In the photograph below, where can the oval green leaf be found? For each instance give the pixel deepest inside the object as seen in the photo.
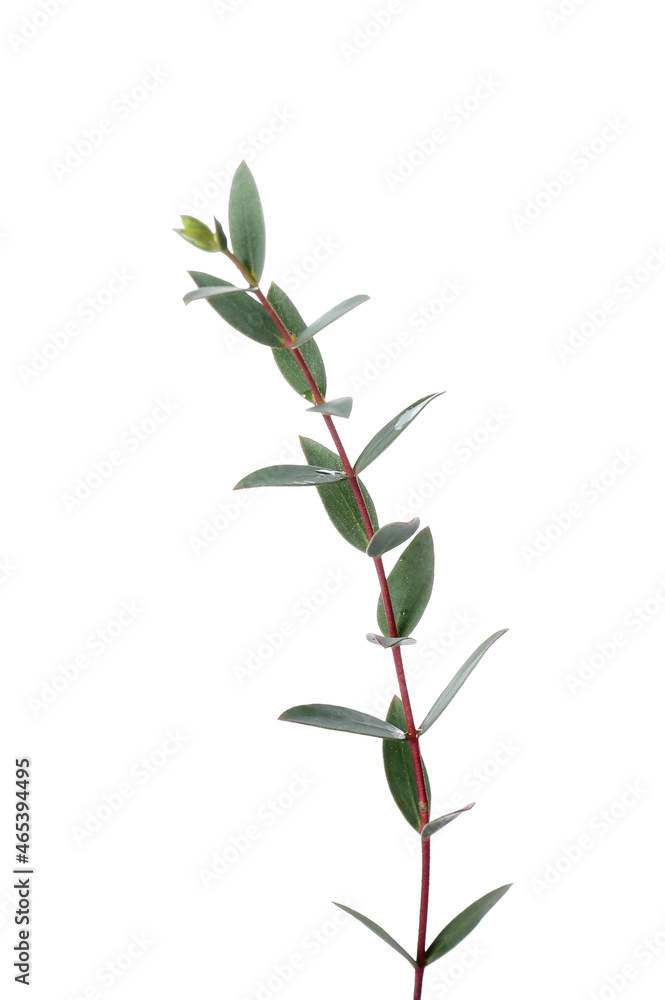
(241, 311)
(390, 536)
(284, 359)
(451, 690)
(391, 431)
(329, 317)
(463, 924)
(246, 225)
(379, 931)
(346, 720)
(437, 824)
(400, 772)
(340, 407)
(338, 500)
(289, 475)
(410, 585)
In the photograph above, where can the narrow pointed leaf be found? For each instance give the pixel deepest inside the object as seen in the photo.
(289, 475)
(345, 719)
(391, 431)
(437, 824)
(451, 690)
(391, 535)
(329, 317)
(212, 292)
(241, 311)
(221, 235)
(388, 642)
(463, 924)
(338, 500)
(284, 359)
(410, 584)
(246, 225)
(340, 407)
(379, 931)
(400, 772)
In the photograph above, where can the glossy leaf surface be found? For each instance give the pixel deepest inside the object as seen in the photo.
(400, 772)
(241, 311)
(463, 924)
(437, 824)
(334, 407)
(284, 359)
(347, 720)
(410, 584)
(391, 535)
(330, 317)
(288, 475)
(246, 225)
(451, 690)
(339, 500)
(212, 293)
(379, 931)
(391, 431)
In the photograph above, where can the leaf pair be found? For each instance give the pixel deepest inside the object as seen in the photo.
(400, 773)
(348, 521)
(452, 933)
(411, 579)
(325, 471)
(245, 314)
(248, 242)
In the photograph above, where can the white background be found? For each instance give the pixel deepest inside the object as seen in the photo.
(326, 103)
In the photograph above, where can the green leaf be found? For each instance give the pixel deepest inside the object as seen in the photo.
(286, 363)
(246, 225)
(338, 500)
(379, 931)
(340, 407)
(241, 311)
(391, 535)
(289, 475)
(400, 772)
(198, 234)
(329, 317)
(410, 585)
(391, 431)
(211, 293)
(451, 690)
(463, 924)
(221, 235)
(437, 824)
(345, 719)
(387, 642)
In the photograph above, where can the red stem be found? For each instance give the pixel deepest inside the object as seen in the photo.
(412, 733)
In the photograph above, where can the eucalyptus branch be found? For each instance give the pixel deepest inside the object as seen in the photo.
(273, 320)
